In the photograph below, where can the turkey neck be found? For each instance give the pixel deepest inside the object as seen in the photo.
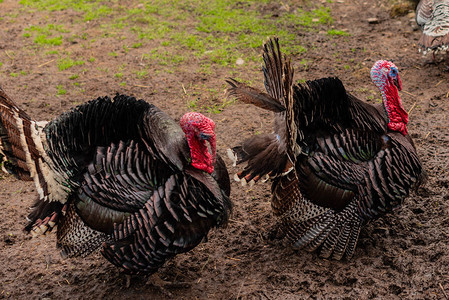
(201, 158)
(396, 114)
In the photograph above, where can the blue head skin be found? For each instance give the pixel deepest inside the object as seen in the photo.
(385, 76)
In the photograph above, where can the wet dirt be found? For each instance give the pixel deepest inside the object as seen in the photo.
(403, 255)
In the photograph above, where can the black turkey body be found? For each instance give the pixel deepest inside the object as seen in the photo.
(115, 174)
(333, 162)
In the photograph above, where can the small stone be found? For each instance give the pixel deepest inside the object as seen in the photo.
(373, 20)
(239, 61)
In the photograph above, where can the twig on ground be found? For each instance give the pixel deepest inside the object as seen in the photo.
(46, 63)
(138, 85)
(235, 221)
(183, 88)
(408, 93)
(444, 293)
(240, 289)
(7, 54)
(410, 110)
(207, 261)
(236, 259)
(439, 83)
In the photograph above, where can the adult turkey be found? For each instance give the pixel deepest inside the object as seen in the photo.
(119, 174)
(335, 162)
(433, 18)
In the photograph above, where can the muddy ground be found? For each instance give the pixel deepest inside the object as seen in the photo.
(401, 256)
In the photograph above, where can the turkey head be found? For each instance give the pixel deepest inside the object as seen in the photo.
(199, 129)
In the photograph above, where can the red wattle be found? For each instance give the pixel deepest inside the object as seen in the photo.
(396, 113)
(201, 158)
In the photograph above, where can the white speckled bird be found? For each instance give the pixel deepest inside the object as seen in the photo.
(433, 18)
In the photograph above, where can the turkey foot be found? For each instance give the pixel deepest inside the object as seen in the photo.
(162, 285)
(275, 232)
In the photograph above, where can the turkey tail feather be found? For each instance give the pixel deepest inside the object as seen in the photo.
(278, 74)
(75, 238)
(15, 137)
(428, 42)
(43, 217)
(264, 156)
(253, 96)
(336, 233)
(21, 146)
(273, 70)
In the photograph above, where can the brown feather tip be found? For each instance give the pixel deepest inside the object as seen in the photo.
(239, 178)
(41, 227)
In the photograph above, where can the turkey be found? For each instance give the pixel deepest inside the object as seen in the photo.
(433, 18)
(335, 162)
(121, 176)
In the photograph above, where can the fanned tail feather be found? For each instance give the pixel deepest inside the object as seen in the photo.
(22, 148)
(272, 154)
(293, 149)
(278, 80)
(336, 233)
(75, 238)
(250, 95)
(13, 127)
(43, 217)
(264, 156)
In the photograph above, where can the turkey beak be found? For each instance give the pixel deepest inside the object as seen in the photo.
(398, 83)
(212, 142)
(212, 148)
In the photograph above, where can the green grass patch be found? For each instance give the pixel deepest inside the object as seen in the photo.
(51, 52)
(163, 57)
(208, 33)
(311, 18)
(217, 108)
(219, 30)
(338, 32)
(45, 35)
(74, 76)
(44, 40)
(61, 90)
(91, 9)
(141, 74)
(47, 29)
(66, 63)
(192, 104)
